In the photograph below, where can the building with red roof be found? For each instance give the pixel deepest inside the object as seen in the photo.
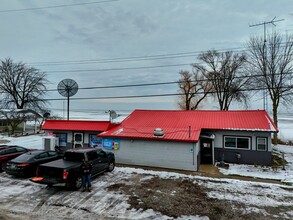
(185, 139)
(76, 133)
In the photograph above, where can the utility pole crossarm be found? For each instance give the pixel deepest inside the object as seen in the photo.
(273, 21)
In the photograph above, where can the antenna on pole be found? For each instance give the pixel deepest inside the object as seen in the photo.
(273, 21)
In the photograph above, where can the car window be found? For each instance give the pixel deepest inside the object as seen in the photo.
(102, 154)
(11, 151)
(2, 152)
(72, 156)
(52, 153)
(92, 155)
(23, 157)
(42, 156)
(20, 149)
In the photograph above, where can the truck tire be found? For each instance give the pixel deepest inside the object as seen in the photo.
(111, 166)
(75, 183)
(3, 167)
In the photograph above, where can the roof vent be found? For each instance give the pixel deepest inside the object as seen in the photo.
(158, 132)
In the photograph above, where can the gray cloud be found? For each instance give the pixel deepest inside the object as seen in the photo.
(130, 28)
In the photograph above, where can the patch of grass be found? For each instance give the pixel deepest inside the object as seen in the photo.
(277, 159)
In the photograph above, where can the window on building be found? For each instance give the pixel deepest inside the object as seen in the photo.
(237, 142)
(261, 144)
(62, 139)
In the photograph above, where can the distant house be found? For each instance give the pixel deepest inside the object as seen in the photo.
(16, 120)
(77, 133)
(185, 139)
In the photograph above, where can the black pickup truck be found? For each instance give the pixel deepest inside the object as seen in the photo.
(66, 171)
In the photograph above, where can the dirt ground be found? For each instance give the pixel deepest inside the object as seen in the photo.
(182, 197)
(123, 194)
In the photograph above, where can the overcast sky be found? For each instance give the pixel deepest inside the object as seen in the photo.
(105, 31)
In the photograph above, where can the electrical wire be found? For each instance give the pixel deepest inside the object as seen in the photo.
(162, 83)
(133, 58)
(139, 58)
(151, 95)
(56, 6)
(117, 69)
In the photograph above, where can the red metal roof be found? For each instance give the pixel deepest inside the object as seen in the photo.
(187, 125)
(76, 125)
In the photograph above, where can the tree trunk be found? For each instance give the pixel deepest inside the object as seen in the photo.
(275, 118)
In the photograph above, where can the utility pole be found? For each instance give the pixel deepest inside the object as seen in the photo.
(273, 21)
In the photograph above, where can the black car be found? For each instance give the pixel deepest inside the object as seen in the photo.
(26, 164)
(8, 152)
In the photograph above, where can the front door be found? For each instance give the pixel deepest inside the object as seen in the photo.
(206, 151)
(77, 140)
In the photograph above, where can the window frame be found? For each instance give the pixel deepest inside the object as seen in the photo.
(62, 138)
(266, 143)
(99, 140)
(236, 137)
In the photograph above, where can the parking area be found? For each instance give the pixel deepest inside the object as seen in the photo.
(130, 193)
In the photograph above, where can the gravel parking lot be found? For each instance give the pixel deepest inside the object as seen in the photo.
(129, 193)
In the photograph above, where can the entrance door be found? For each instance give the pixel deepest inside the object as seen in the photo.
(206, 151)
(77, 140)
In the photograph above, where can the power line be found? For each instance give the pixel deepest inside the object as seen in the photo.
(129, 85)
(148, 96)
(117, 69)
(56, 6)
(131, 58)
(136, 58)
(122, 68)
(163, 83)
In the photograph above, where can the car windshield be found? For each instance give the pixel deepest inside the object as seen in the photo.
(73, 156)
(23, 157)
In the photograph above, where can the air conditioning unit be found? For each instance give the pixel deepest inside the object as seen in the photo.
(159, 132)
(49, 143)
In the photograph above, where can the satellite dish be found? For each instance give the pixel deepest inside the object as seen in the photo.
(46, 115)
(113, 114)
(67, 88)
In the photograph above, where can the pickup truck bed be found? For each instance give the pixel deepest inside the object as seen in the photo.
(63, 164)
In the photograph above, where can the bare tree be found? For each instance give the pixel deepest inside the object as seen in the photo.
(21, 86)
(272, 61)
(193, 89)
(12, 118)
(226, 73)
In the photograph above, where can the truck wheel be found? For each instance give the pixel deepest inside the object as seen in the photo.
(75, 183)
(2, 167)
(111, 166)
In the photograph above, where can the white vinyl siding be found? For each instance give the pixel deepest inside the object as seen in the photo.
(165, 154)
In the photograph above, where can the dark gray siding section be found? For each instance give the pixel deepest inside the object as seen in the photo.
(243, 156)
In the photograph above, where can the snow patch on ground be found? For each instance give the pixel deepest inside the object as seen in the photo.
(265, 172)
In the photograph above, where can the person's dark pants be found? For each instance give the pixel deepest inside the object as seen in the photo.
(86, 181)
